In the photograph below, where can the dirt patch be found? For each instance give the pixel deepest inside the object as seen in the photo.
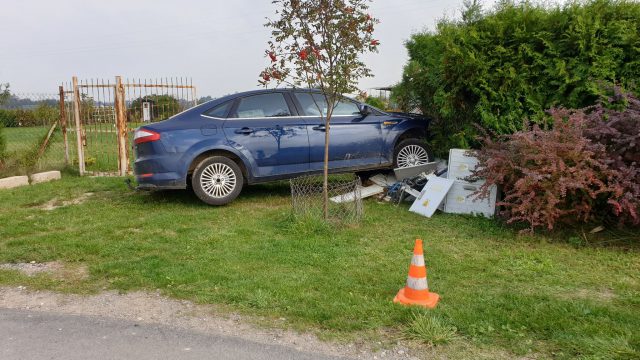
(34, 268)
(603, 294)
(55, 203)
(157, 309)
(56, 269)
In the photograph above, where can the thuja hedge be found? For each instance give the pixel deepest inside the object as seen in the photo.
(498, 67)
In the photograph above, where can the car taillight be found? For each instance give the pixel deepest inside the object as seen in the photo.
(145, 135)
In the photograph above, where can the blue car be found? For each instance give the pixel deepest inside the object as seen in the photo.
(267, 135)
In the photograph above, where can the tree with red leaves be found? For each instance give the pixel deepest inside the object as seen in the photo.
(318, 44)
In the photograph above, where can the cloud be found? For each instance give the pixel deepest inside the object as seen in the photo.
(220, 44)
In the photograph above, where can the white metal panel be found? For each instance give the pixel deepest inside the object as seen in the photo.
(146, 111)
(461, 201)
(364, 192)
(431, 196)
(412, 171)
(460, 165)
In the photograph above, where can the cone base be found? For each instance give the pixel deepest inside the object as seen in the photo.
(430, 302)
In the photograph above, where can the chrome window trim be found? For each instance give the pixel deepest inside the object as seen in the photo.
(272, 117)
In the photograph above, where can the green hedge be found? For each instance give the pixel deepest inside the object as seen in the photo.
(500, 67)
(8, 118)
(3, 145)
(43, 115)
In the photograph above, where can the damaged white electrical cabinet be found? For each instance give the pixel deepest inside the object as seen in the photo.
(431, 196)
(460, 198)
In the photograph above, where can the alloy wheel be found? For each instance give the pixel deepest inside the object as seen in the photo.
(412, 155)
(218, 180)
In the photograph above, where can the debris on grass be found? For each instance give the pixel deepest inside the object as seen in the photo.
(413, 171)
(352, 196)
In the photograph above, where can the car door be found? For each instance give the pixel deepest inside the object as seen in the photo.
(264, 126)
(354, 140)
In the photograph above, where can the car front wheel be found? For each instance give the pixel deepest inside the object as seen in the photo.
(412, 152)
(217, 180)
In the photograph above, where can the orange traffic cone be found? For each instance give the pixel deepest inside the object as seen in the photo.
(417, 291)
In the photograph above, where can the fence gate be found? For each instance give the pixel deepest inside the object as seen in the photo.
(102, 116)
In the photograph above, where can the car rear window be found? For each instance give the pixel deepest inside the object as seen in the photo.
(219, 111)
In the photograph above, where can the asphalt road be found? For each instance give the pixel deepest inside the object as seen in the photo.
(37, 335)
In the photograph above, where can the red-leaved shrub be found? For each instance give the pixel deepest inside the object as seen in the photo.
(584, 169)
(619, 132)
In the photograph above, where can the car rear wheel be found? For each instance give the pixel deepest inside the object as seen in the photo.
(217, 180)
(412, 152)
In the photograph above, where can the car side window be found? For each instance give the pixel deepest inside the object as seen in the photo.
(310, 107)
(346, 107)
(219, 111)
(263, 105)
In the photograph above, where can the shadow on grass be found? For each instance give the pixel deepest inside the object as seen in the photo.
(249, 193)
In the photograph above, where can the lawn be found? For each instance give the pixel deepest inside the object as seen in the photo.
(502, 295)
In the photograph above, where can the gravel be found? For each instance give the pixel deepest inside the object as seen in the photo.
(153, 308)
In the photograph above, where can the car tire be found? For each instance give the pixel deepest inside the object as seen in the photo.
(411, 152)
(217, 180)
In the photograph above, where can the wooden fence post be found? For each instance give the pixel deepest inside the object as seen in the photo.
(121, 126)
(194, 95)
(76, 116)
(63, 125)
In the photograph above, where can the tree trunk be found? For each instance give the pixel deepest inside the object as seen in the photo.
(325, 174)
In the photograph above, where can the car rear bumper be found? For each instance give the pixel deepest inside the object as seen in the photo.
(152, 175)
(160, 181)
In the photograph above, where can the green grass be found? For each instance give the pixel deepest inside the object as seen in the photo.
(431, 330)
(101, 150)
(502, 295)
(21, 141)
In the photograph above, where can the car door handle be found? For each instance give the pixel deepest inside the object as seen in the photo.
(244, 130)
(319, 128)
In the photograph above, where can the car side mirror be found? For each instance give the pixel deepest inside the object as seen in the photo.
(365, 110)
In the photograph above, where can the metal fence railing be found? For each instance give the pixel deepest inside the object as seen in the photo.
(105, 113)
(87, 124)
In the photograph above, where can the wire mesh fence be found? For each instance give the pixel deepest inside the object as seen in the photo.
(345, 198)
(152, 100)
(33, 134)
(87, 124)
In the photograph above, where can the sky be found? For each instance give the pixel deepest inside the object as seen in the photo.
(219, 44)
